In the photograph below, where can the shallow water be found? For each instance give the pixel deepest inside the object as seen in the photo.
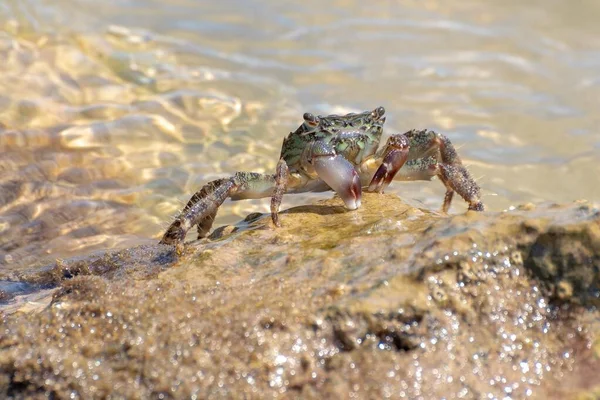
(113, 114)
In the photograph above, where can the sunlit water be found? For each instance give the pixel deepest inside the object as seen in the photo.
(113, 113)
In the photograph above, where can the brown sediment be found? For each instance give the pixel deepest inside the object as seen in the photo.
(386, 301)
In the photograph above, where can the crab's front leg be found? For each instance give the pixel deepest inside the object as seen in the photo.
(202, 208)
(337, 172)
(432, 154)
(395, 153)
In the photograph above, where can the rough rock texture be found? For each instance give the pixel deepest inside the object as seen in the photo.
(389, 301)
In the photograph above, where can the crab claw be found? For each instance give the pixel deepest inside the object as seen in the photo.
(341, 176)
(396, 155)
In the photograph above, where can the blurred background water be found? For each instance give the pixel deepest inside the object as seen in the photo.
(113, 113)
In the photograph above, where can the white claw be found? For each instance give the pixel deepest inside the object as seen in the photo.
(341, 176)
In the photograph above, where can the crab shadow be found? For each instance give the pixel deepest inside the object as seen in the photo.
(255, 221)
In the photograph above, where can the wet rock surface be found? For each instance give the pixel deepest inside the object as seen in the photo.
(389, 301)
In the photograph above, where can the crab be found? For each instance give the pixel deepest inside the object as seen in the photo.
(339, 153)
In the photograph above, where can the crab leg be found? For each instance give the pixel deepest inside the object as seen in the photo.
(450, 168)
(202, 208)
(395, 154)
(206, 223)
(338, 173)
(457, 179)
(282, 174)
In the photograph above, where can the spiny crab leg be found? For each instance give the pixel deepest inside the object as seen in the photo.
(395, 155)
(202, 208)
(447, 166)
(338, 173)
(458, 179)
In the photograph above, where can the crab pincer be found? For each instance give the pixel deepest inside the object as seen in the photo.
(396, 154)
(341, 176)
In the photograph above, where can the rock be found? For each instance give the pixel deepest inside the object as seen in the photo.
(386, 301)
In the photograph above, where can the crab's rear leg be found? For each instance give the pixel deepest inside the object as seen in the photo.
(202, 208)
(456, 178)
(449, 167)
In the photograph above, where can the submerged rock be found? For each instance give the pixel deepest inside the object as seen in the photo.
(386, 301)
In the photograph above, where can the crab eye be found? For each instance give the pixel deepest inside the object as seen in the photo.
(311, 119)
(378, 112)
